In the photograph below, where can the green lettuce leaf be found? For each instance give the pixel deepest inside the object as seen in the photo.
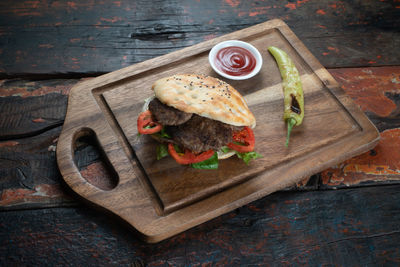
(162, 151)
(248, 156)
(208, 164)
(225, 149)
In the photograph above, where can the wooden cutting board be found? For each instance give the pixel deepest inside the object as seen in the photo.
(160, 198)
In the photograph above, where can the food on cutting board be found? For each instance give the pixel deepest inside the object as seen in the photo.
(198, 119)
(293, 90)
(235, 59)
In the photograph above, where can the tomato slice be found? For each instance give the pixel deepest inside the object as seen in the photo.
(146, 124)
(246, 139)
(188, 157)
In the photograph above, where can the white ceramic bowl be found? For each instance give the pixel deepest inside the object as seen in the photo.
(249, 47)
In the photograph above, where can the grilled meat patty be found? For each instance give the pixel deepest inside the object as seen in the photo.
(192, 131)
(202, 134)
(167, 115)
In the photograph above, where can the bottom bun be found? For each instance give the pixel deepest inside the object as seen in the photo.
(225, 155)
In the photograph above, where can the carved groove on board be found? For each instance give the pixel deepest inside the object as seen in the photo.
(127, 148)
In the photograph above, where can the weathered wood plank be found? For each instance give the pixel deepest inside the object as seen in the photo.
(29, 174)
(30, 177)
(28, 108)
(380, 164)
(375, 90)
(33, 115)
(342, 227)
(40, 37)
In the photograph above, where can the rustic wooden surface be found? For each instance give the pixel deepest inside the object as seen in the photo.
(287, 228)
(176, 197)
(43, 223)
(86, 37)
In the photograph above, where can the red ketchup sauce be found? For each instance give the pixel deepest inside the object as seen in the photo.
(235, 61)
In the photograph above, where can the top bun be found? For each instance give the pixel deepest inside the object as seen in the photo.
(205, 96)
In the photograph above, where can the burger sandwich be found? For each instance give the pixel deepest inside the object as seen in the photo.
(198, 119)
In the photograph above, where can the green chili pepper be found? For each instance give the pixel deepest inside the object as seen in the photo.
(293, 90)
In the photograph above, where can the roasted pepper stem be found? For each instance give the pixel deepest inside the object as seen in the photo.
(290, 123)
(292, 88)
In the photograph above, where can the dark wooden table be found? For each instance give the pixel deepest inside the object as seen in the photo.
(348, 215)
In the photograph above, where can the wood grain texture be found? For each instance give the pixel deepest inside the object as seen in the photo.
(376, 91)
(158, 208)
(30, 177)
(29, 108)
(74, 39)
(356, 226)
(64, 37)
(366, 86)
(381, 163)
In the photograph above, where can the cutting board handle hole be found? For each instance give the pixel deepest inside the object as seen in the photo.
(92, 162)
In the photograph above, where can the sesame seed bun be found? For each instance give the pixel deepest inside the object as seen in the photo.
(205, 96)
